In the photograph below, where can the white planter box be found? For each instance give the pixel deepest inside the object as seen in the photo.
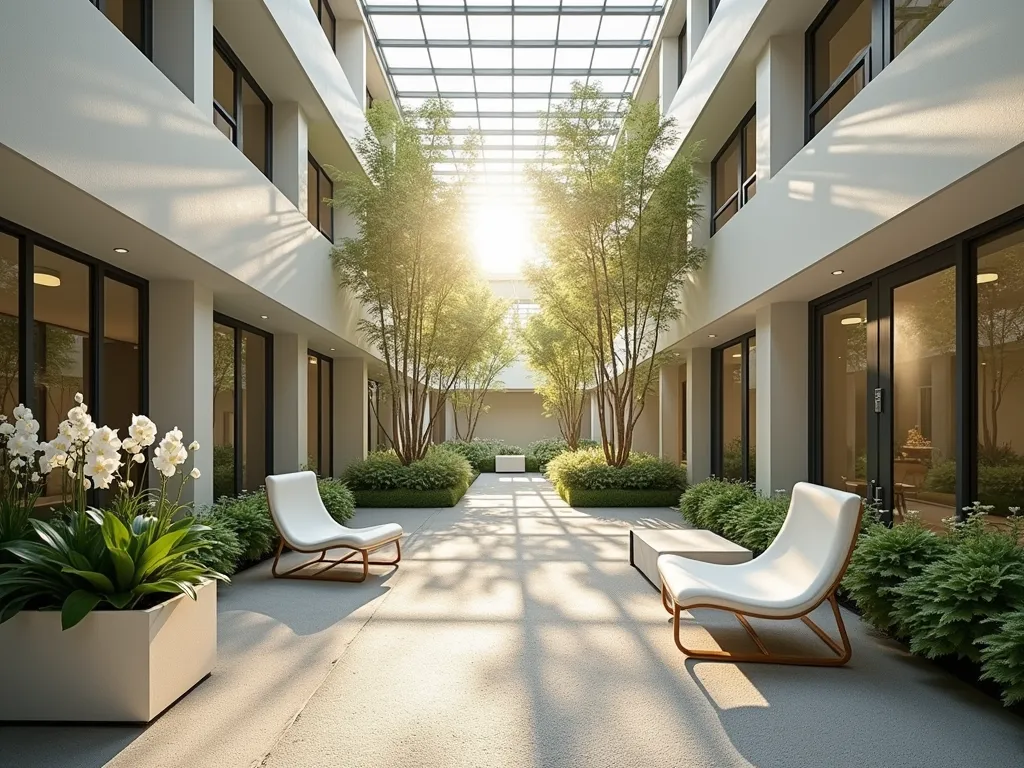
(647, 544)
(114, 666)
(510, 463)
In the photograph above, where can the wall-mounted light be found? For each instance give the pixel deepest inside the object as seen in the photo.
(46, 276)
(852, 320)
(312, 360)
(120, 250)
(838, 272)
(987, 277)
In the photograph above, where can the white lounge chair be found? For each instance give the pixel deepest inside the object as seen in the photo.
(799, 571)
(306, 526)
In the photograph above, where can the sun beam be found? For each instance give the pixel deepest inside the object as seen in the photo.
(502, 236)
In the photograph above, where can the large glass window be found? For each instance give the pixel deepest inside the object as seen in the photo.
(323, 11)
(319, 189)
(735, 410)
(241, 398)
(909, 19)
(681, 53)
(734, 173)
(132, 17)
(840, 58)
(1000, 372)
(844, 429)
(121, 383)
(241, 111)
(10, 347)
(319, 407)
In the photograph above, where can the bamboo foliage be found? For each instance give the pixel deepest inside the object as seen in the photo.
(469, 397)
(618, 251)
(428, 311)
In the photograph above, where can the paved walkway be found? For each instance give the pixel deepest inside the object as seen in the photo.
(516, 634)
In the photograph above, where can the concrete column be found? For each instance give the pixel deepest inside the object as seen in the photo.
(291, 149)
(595, 419)
(668, 413)
(449, 420)
(351, 411)
(779, 85)
(698, 415)
(699, 234)
(181, 372)
(697, 20)
(183, 48)
(782, 350)
(351, 48)
(291, 402)
(668, 72)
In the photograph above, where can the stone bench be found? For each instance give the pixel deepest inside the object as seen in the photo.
(645, 544)
(510, 463)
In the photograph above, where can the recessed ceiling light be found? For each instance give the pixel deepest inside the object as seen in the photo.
(737, 355)
(332, 349)
(264, 317)
(46, 277)
(837, 272)
(987, 277)
(120, 250)
(711, 335)
(852, 320)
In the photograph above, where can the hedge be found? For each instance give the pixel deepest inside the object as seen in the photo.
(957, 597)
(439, 470)
(480, 453)
(409, 498)
(619, 497)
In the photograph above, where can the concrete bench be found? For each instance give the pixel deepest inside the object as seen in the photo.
(511, 463)
(645, 544)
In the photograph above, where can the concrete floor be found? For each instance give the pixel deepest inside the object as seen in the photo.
(516, 634)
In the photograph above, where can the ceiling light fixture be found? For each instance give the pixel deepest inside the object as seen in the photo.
(737, 355)
(312, 360)
(711, 336)
(332, 349)
(852, 320)
(120, 250)
(46, 277)
(838, 272)
(264, 317)
(987, 277)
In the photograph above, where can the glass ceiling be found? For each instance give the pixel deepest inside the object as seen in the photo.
(503, 66)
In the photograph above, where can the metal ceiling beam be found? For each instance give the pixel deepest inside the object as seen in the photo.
(495, 95)
(508, 10)
(385, 43)
(554, 71)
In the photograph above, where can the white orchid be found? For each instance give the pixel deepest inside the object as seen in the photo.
(6, 429)
(101, 468)
(79, 398)
(20, 411)
(193, 446)
(130, 445)
(142, 430)
(194, 474)
(105, 441)
(170, 454)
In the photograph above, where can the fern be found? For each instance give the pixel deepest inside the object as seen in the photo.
(695, 495)
(1002, 656)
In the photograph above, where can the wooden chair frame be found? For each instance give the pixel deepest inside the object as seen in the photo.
(350, 575)
(842, 652)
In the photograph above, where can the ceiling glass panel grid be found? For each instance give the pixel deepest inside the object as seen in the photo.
(503, 64)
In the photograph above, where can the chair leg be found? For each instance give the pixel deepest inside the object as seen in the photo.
(354, 577)
(843, 652)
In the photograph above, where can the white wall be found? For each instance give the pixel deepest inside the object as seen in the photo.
(515, 417)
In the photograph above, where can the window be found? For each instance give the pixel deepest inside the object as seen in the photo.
(241, 110)
(319, 188)
(242, 379)
(323, 11)
(134, 18)
(909, 19)
(712, 7)
(734, 391)
(320, 411)
(85, 332)
(734, 173)
(681, 61)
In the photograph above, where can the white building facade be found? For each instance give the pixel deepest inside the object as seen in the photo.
(858, 319)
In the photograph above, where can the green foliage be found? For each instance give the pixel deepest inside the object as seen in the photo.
(440, 469)
(617, 497)
(480, 453)
(223, 471)
(732, 459)
(756, 521)
(587, 469)
(1002, 655)
(411, 499)
(337, 498)
(14, 525)
(94, 559)
(546, 449)
(883, 560)
(1000, 480)
(719, 505)
(248, 515)
(221, 549)
(694, 496)
(942, 610)
(498, 350)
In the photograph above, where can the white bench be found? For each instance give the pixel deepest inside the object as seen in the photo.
(511, 463)
(645, 544)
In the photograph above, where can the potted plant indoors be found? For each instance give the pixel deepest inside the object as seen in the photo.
(105, 614)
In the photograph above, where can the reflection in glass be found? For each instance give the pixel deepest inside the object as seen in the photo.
(924, 398)
(9, 343)
(751, 409)
(223, 410)
(909, 19)
(254, 127)
(313, 413)
(127, 16)
(326, 415)
(732, 412)
(121, 362)
(844, 399)
(62, 343)
(1000, 292)
(839, 42)
(254, 410)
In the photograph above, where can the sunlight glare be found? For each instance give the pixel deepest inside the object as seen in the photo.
(502, 236)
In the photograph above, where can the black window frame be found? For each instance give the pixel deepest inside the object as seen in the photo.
(681, 61)
(959, 251)
(220, 45)
(238, 326)
(147, 24)
(718, 405)
(743, 181)
(99, 270)
(318, 224)
(323, 359)
(323, 5)
(713, 6)
(369, 99)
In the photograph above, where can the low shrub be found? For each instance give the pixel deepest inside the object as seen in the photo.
(337, 498)
(694, 496)
(943, 609)
(999, 485)
(883, 560)
(248, 515)
(222, 549)
(480, 453)
(440, 469)
(1002, 655)
(408, 498)
(617, 497)
(545, 450)
(587, 470)
(717, 506)
(757, 521)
